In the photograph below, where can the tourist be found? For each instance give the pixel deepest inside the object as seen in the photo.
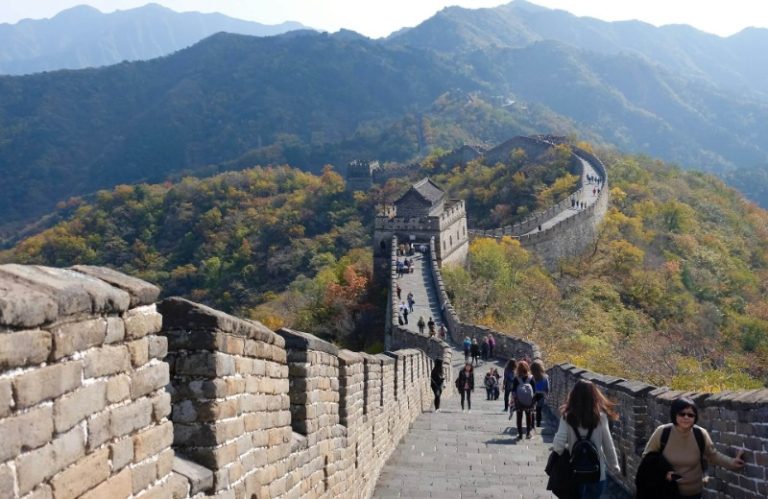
(399, 290)
(523, 390)
(437, 380)
(541, 387)
(497, 377)
(431, 325)
(684, 445)
(584, 416)
(474, 349)
(484, 348)
(467, 348)
(491, 345)
(509, 376)
(490, 385)
(421, 324)
(411, 301)
(442, 332)
(465, 383)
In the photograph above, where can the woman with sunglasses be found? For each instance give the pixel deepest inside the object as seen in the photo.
(682, 449)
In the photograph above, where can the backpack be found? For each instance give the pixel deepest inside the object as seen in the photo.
(585, 460)
(524, 392)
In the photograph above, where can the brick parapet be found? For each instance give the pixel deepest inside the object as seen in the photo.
(83, 406)
(735, 420)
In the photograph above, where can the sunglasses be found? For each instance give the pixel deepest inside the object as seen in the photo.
(686, 414)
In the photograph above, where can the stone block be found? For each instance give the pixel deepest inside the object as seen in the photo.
(158, 347)
(6, 397)
(139, 350)
(115, 330)
(7, 482)
(24, 348)
(141, 292)
(83, 476)
(161, 406)
(143, 475)
(119, 486)
(165, 463)
(78, 336)
(23, 306)
(74, 407)
(207, 434)
(175, 487)
(152, 441)
(34, 467)
(199, 477)
(42, 491)
(46, 383)
(148, 379)
(118, 388)
(121, 453)
(207, 364)
(141, 321)
(106, 361)
(128, 418)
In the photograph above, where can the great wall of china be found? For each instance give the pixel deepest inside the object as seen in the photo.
(104, 392)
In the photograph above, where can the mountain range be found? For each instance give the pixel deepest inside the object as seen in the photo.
(307, 99)
(83, 37)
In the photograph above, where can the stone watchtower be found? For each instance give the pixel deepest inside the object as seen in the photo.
(360, 174)
(421, 213)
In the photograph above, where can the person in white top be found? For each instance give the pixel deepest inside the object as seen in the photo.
(588, 409)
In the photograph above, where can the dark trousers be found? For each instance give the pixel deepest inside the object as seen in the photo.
(437, 393)
(528, 421)
(507, 394)
(539, 407)
(468, 394)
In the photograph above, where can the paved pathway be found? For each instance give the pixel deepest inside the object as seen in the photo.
(450, 454)
(420, 284)
(586, 195)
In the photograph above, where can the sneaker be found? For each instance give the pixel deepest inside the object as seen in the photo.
(519, 436)
(528, 436)
(469, 410)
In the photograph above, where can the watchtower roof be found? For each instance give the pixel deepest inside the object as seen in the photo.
(427, 190)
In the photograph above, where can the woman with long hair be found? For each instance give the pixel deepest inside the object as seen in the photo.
(584, 428)
(465, 383)
(523, 391)
(684, 445)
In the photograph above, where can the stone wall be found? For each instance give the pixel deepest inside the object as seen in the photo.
(507, 347)
(83, 406)
(571, 236)
(735, 420)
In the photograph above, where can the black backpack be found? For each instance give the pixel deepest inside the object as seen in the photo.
(585, 460)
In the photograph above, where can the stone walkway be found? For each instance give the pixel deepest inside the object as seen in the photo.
(450, 454)
(420, 284)
(586, 195)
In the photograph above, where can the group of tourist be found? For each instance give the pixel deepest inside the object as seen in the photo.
(674, 458)
(483, 350)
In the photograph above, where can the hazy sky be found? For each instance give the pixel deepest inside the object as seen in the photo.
(376, 18)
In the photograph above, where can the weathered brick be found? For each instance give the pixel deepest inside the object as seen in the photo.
(42, 491)
(206, 364)
(74, 407)
(121, 453)
(7, 482)
(106, 361)
(158, 347)
(148, 379)
(34, 467)
(139, 351)
(6, 397)
(161, 406)
(46, 382)
(26, 431)
(143, 475)
(128, 418)
(78, 336)
(83, 476)
(118, 486)
(165, 463)
(141, 321)
(118, 388)
(152, 441)
(24, 348)
(176, 487)
(115, 330)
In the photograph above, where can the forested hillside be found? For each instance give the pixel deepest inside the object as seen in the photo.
(673, 292)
